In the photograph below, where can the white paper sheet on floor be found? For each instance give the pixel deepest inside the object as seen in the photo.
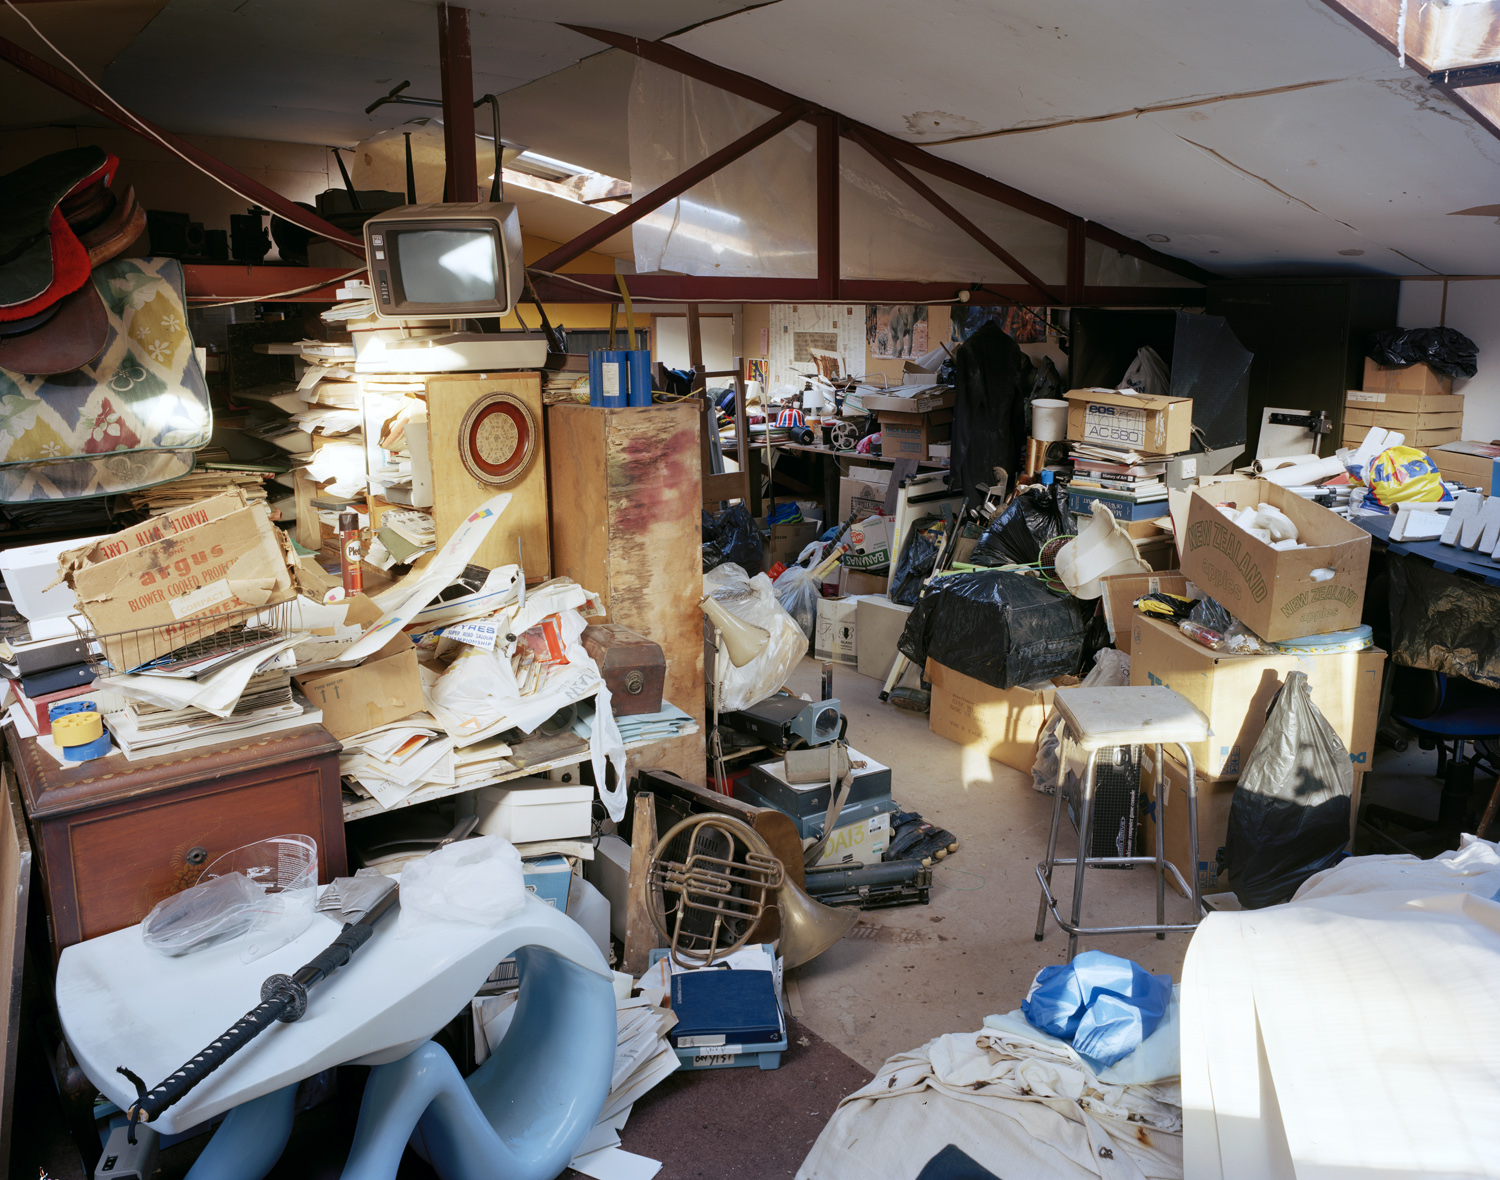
(1352, 1032)
(1044, 1114)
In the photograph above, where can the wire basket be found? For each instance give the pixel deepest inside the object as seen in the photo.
(184, 645)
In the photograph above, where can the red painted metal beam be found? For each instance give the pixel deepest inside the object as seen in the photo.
(912, 155)
(251, 190)
(642, 204)
(1077, 259)
(930, 195)
(208, 282)
(828, 203)
(458, 103)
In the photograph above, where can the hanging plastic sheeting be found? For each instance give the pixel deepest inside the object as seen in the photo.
(991, 392)
(380, 160)
(1289, 817)
(754, 600)
(1105, 266)
(887, 231)
(755, 217)
(1001, 628)
(1212, 367)
(1444, 623)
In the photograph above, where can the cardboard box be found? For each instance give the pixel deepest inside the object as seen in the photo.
(907, 436)
(1473, 463)
(865, 493)
(1355, 435)
(550, 878)
(1407, 424)
(862, 842)
(917, 403)
(1120, 593)
(853, 583)
(1000, 723)
(870, 543)
(1234, 692)
(1418, 378)
(834, 631)
(168, 524)
(376, 692)
(1155, 425)
(1274, 592)
(789, 540)
(180, 584)
(1214, 799)
(1405, 403)
(877, 628)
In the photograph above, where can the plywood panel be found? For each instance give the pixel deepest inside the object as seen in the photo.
(456, 493)
(627, 489)
(15, 879)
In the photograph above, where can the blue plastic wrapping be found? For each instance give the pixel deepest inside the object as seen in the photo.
(1103, 1005)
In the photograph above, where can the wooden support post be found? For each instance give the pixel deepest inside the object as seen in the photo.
(458, 103)
(640, 934)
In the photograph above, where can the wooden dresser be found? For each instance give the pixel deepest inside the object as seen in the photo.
(114, 837)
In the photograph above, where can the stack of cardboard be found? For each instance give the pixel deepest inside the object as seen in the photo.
(916, 420)
(1121, 443)
(1414, 400)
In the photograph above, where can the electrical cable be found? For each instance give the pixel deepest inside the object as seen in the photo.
(156, 137)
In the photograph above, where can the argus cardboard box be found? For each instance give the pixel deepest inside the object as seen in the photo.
(1153, 425)
(1277, 593)
(1234, 692)
(180, 576)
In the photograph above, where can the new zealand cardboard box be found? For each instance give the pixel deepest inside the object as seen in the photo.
(1277, 593)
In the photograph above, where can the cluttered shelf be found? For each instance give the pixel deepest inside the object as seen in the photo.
(534, 756)
(832, 453)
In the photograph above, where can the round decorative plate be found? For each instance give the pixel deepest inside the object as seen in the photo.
(497, 439)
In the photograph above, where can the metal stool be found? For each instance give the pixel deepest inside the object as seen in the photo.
(1103, 718)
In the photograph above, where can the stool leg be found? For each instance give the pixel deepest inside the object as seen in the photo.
(1159, 795)
(1194, 879)
(1085, 841)
(1057, 802)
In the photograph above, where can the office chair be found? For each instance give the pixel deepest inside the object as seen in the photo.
(1461, 720)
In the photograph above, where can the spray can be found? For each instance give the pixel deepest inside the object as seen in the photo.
(354, 578)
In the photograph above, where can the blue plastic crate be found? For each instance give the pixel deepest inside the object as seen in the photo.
(716, 1057)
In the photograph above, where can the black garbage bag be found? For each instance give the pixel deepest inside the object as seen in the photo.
(1445, 350)
(1028, 522)
(918, 556)
(732, 536)
(1001, 628)
(1289, 817)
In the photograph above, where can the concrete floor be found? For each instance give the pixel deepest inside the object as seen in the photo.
(909, 974)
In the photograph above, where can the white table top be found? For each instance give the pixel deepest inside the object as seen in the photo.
(122, 1003)
(1102, 717)
(1346, 1036)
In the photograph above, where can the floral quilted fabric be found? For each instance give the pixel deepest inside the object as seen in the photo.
(131, 419)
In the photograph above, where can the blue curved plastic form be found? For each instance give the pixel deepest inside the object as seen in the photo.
(520, 1116)
(523, 1113)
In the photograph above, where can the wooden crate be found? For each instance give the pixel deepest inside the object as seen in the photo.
(626, 523)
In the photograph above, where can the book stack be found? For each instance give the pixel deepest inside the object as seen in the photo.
(268, 705)
(1121, 442)
(1134, 485)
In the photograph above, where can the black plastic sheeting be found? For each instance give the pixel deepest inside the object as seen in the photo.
(732, 536)
(1445, 350)
(1033, 518)
(992, 386)
(1289, 817)
(1000, 628)
(1442, 622)
(1212, 367)
(917, 558)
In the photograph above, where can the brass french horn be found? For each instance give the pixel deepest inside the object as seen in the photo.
(711, 879)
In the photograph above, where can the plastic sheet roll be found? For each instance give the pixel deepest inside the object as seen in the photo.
(1304, 473)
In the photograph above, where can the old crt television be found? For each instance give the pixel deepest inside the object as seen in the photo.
(445, 262)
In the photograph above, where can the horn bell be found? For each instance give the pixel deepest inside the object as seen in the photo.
(808, 927)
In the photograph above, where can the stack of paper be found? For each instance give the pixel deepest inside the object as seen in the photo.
(392, 761)
(642, 727)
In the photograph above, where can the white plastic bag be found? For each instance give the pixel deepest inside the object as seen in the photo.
(754, 600)
(798, 595)
(1111, 670)
(477, 881)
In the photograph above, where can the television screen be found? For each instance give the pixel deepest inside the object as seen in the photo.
(446, 266)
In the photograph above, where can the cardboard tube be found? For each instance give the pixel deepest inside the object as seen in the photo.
(1261, 466)
(1300, 474)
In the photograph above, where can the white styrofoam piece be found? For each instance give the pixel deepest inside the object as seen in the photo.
(1100, 717)
(121, 1002)
(1418, 522)
(1465, 506)
(1484, 523)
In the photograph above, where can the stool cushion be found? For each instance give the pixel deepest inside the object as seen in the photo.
(1103, 717)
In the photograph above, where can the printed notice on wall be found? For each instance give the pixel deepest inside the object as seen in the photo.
(1122, 426)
